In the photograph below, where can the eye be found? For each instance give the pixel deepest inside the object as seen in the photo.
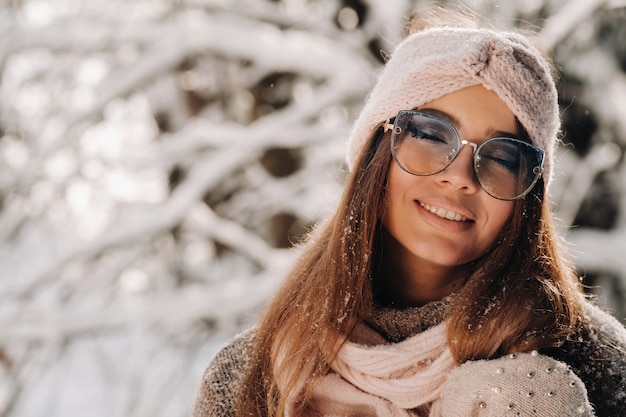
(502, 156)
(424, 132)
(510, 165)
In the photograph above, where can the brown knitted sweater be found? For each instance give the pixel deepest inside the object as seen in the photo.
(597, 355)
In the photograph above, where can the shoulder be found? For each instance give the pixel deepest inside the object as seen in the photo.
(223, 376)
(605, 324)
(515, 384)
(597, 354)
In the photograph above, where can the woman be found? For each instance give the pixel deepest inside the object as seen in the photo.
(437, 287)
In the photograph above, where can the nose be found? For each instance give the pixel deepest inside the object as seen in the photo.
(460, 173)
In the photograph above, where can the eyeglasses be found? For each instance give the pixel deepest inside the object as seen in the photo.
(423, 144)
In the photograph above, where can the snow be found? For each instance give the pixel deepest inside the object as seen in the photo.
(137, 223)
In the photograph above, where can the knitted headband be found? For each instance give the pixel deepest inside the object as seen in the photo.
(437, 61)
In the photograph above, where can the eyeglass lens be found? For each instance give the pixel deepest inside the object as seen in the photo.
(423, 144)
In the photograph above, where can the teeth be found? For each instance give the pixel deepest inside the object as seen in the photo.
(444, 214)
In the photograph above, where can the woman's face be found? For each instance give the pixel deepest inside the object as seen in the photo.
(419, 208)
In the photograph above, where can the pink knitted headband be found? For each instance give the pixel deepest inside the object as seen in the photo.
(437, 61)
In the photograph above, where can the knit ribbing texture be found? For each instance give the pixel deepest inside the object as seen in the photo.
(408, 374)
(382, 379)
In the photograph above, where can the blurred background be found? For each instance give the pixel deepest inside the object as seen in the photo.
(160, 158)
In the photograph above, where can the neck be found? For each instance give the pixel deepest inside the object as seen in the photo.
(404, 289)
(406, 281)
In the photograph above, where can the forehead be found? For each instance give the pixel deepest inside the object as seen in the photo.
(476, 112)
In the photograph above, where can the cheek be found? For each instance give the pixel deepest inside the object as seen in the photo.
(397, 188)
(394, 193)
(501, 214)
(399, 182)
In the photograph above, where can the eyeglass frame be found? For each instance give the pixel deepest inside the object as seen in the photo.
(389, 126)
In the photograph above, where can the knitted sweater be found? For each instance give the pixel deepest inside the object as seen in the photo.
(596, 354)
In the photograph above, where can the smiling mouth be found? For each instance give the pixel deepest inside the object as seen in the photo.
(444, 214)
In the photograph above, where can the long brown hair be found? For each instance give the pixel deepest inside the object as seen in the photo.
(521, 295)
(328, 291)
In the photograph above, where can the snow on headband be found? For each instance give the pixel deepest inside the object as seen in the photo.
(432, 63)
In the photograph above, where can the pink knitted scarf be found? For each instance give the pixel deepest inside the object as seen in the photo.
(374, 378)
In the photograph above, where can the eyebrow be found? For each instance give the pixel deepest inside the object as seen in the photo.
(455, 122)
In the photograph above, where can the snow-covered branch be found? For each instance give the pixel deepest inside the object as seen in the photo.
(158, 159)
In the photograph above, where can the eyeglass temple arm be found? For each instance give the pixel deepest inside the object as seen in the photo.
(387, 126)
